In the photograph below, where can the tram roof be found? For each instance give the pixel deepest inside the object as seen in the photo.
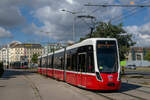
(89, 41)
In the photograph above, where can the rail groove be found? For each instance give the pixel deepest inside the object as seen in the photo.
(35, 89)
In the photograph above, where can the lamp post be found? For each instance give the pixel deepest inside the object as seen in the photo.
(73, 24)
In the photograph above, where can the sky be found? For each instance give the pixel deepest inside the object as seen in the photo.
(43, 21)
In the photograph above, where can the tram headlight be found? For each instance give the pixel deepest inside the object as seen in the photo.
(98, 76)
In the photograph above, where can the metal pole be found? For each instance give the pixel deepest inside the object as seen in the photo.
(73, 28)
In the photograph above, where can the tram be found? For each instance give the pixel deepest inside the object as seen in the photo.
(92, 64)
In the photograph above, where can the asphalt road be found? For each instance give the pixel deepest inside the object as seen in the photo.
(26, 85)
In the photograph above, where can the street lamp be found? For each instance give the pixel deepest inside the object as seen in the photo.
(73, 26)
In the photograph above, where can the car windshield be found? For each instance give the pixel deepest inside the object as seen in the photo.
(107, 58)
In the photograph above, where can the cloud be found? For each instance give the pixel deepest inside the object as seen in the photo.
(141, 34)
(4, 33)
(59, 24)
(10, 14)
(10, 17)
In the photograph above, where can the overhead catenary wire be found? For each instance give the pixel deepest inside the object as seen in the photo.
(118, 5)
(134, 12)
(130, 13)
(143, 5)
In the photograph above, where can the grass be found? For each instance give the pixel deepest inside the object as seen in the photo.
(31, 69)
(145, 83)
(144, 69)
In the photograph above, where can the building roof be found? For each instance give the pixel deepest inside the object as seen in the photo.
(27, 45)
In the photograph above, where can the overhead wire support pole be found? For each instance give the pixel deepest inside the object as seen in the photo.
(74, 19)
(116, 5)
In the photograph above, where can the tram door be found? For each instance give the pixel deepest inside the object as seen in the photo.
(81, 78)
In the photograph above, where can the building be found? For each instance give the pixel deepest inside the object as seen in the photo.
(137, 53)
(24, 52)
(136, 56)
(51, 47)
(4, 56)
(19, 52)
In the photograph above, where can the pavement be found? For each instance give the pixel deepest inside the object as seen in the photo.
(26, 85)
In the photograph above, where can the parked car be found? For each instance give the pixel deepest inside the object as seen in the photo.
(131, 67)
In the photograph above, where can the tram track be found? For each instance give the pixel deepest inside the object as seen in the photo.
(107, 97)
(148, 92)
(123, 93)
(139, 98)
(33, 86)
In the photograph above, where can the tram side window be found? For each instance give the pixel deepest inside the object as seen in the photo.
(82, 62)
(90, 62)
(62, 62)
(38, 62)
(49, 61)
(44, 62)
(74, 62)
(69, 62)
(54, 65)
(52, 61)
(59, 60)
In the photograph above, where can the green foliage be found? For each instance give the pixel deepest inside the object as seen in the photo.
(147, 56)
(35, 58)
(107, 30)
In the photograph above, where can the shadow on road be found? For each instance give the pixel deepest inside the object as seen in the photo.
(127, 87)
(12, 73)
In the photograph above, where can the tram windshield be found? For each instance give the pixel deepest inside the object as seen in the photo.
(107, 56)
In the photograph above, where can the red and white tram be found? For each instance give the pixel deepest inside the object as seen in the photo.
(92, 64)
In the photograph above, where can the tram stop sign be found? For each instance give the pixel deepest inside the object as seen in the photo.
(123, 63)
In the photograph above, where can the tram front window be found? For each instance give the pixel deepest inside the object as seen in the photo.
(107, 58)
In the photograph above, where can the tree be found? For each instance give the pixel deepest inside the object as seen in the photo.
(147, 56)
(105, 30)
(35, 58)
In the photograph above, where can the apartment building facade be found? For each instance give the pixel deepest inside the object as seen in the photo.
(25, 51)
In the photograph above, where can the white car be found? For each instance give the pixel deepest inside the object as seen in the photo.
(131, 67)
